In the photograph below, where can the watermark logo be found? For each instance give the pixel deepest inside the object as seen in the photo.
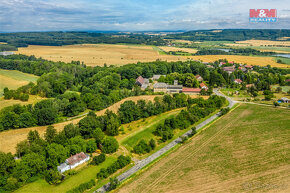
(263, 15)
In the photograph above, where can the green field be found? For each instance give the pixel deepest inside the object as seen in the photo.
(247, 150)
(83, 176)
(14, 79)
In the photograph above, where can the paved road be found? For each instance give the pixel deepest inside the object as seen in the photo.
(141, 164)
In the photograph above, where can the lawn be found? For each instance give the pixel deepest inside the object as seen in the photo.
(247, 150)
(86, 174)
(14, 79)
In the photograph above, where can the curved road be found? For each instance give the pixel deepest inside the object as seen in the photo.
(142, 163)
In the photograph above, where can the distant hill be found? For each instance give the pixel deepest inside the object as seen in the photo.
(232, 34)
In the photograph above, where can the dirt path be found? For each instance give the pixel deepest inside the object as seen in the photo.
(10, 138)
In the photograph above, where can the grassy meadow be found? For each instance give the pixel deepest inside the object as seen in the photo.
(247, 150)
(14, 79)
(84, 175)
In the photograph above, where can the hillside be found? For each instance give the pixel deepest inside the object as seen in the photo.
(246, 150)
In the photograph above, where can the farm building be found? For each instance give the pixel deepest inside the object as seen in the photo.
(160, 87)
(238, 81)
(73, 162)
(166, 88)
(175, 88)
(143, 82)
(203, 86)
(191, 90)
(249, 67)
(199, 78)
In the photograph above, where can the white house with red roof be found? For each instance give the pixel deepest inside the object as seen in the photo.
(238, 81)
(203, 86)
(73, 162)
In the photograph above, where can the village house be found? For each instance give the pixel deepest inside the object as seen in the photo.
(142, 82)
(249, 67)
(191, 90)
(199, 78)
(238, 81)
(203, 86)
(209, 66)
(229, 69)
(249, 85)
(284, 100)
(73, 162)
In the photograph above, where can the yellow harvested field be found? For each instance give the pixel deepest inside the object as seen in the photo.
(10, 138)
(3, 43)
(284, 38)
(174, 49)
(97, 54)
(273, 50)
(32, 99)
(113, 54)
(251, 60)
(261, 43)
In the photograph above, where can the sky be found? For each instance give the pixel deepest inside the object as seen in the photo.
(136, 15)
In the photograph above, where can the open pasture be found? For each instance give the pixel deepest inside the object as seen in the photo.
(247, 150)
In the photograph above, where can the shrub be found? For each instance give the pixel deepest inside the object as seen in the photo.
(98, 159)
(82, 187)
(110, 145)
(121, 162)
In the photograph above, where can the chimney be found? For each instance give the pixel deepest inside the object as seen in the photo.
(175, 82)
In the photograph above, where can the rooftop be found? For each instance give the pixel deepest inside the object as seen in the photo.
(76, 158)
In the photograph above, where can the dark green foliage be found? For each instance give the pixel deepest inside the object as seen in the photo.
(142, 147)
(50, 134)
(224, 111)
(91, 146)
(110, 145)
(121, 162)
(53, 177)
(98, 159)
(114, 183)
(185, 118)
(83, 187)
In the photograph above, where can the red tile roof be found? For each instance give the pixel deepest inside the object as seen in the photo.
(202, 85)
(238, 80)
(248, 66)
(76, 158)
(140, 79)
(184, 89)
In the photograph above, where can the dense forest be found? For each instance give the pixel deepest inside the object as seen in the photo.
(23, 39)
(232, 34)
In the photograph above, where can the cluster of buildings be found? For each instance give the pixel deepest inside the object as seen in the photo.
(6, 53)
(73, 162)
(167, 88)
(231, 69)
